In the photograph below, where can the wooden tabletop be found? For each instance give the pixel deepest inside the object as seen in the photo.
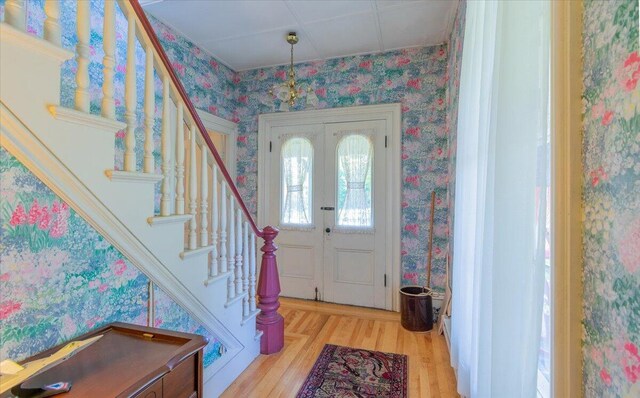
(124, 361)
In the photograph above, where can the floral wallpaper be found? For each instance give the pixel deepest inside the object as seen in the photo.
(59, 278)
(611, 161)
(454, 65)
(414, 77)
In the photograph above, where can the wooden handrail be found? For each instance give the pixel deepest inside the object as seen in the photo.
(153, 38)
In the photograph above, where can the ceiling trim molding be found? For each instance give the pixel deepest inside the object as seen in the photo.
(451, 17)
(376, 21)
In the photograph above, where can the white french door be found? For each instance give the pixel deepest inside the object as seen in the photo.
(328, 185)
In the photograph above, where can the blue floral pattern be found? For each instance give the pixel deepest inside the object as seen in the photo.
(611, 164)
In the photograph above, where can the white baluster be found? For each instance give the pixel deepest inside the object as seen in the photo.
(109, 60)
(165, 145)
(204, 195)
(180, 159)
(14, 14)
(213, 271)
(52, 23)
(193, 189)
(238, 251)
(130, 96)
(231, 287)
(82, 56)
(245, 267)
(223, 227)
(149, 111)
(252, 273)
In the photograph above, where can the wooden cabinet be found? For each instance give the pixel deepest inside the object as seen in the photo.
(129, 361)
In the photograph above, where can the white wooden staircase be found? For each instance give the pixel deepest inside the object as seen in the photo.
(208, 266)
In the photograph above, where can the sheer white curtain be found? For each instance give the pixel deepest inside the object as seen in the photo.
(297, 164)
(355, 153)
(498, 266)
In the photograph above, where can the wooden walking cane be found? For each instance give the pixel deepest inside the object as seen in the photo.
(430, 250)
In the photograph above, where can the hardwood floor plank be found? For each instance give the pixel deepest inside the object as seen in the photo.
(310, 325)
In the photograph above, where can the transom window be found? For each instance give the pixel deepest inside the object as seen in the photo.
(354, 164)
(297, 171)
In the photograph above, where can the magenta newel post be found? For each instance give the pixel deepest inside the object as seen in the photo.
(269, 320)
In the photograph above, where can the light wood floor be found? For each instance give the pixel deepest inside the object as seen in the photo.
(310, 325)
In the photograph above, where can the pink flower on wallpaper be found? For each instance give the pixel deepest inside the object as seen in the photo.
(178, 67)
(9, 307)
(401, 61)
(243, 99)
(60, 225)
(413, 131)
(45, 219)
(413, 228)
(166, 35)
(281, 74)
(607, 118)
(18, 217)
(213, 109)
(597, 176)
(405, 204)
(629, 247)
(629, 74)
(121, 68)
(207, 85)
(411, 277)
(242, 139)
(214, 64)
(241, 180)
(366, 64)
(414, 83)
(34, 212)
(321, 92)
(103, 288)
(353, 90)
(413, 180)
(4, 277)
(606, 377)
(119, 267)
(120, 135)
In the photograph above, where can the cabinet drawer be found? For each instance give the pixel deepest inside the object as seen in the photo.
(153, 391)
(181, 382)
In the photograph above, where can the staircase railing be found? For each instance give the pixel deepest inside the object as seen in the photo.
(195, 184)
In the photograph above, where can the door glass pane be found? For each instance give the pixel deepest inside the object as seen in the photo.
(355, 159)
(296, 172)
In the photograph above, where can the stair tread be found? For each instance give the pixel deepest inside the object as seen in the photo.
(176, 218)
(84, 118)
(187, 253)
(133, 176)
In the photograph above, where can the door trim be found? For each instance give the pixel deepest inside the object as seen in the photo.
(230, 129)
(391, 113)
(566, 199)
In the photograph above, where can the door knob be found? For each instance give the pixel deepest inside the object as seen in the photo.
(327, 230)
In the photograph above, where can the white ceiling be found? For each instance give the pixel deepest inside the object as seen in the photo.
(246, 34)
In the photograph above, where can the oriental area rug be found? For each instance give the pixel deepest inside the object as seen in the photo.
(341, 372)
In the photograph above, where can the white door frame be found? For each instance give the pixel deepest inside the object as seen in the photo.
(391, 113)
(230, 129)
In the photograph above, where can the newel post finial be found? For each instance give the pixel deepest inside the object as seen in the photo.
(269, 321)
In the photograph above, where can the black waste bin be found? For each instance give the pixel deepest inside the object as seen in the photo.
(416, 308)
